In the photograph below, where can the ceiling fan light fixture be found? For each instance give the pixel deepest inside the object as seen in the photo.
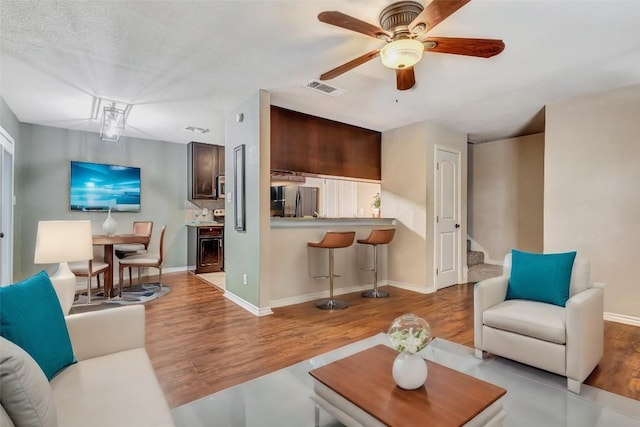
(403, 53)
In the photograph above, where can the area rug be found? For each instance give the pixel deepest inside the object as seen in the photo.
(534, 398)
(137, 294)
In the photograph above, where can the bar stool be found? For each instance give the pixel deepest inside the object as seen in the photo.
(333, 240)
(375, 238)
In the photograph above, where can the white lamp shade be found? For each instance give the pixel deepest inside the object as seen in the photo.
(402, 53)
(63, 241)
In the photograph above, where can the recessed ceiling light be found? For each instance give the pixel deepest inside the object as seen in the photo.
(197, 129)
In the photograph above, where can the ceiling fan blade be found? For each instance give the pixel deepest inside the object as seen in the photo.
(350, 65)
(435, 13)
(405, 78)
(341, 20)
(484, 48)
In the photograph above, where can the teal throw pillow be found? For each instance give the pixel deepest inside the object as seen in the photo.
(540, 277)
(31, 318)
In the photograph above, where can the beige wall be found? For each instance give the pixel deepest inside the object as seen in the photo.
(592, 189)
(294, 265)
(506, 195)
(408, 179)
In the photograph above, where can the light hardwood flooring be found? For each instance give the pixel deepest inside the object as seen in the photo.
(200, 342)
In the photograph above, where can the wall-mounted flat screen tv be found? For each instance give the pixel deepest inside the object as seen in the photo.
(98, 187)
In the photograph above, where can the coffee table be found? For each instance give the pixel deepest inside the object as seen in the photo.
(359, 391)
(284, 398)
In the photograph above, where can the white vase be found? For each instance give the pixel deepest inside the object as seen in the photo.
(109, 226)
(409, 371)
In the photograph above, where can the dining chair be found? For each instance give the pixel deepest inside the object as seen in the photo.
(125, 250)
(153, 260)
(139, 227)
(89, 269)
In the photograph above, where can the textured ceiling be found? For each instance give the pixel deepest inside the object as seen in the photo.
(186, 63)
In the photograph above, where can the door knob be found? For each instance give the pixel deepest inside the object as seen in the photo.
(457, 225)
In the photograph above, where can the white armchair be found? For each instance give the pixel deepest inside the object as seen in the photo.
(564, 340)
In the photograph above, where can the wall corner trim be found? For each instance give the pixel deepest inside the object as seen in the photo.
(256, 311)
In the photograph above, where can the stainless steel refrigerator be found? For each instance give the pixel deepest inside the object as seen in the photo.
(294, 201)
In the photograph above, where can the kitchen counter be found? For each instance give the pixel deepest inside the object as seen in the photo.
(205, 224)
(293, 264)
(291, 222)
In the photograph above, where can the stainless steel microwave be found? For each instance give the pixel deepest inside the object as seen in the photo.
(221, 191)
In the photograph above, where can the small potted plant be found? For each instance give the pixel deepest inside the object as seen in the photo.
(376, 205)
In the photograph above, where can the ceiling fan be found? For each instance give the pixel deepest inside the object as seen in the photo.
(404, 25)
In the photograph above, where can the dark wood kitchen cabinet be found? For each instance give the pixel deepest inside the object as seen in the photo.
(305, 143)
(205, 163)
(205, 251)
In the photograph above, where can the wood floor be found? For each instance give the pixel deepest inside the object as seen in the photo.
(200, 342)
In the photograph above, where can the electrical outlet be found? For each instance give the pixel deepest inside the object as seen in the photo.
(244, 279)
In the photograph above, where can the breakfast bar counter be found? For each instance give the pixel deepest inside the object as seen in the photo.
(312, 222)
(294, 265)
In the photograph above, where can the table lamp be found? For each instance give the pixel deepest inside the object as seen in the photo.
(63, 242)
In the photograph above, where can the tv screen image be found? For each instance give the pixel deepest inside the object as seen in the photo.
(97, 186)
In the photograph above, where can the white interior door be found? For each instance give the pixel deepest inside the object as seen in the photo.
(447, 206)
(6, 210)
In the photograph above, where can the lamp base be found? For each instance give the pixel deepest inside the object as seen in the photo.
(64, 283)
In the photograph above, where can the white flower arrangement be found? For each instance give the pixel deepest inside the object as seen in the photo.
(410, 340)
(409, 333)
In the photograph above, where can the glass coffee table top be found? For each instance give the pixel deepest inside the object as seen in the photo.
(534, 397)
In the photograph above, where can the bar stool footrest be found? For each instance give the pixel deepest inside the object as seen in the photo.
(326, 277)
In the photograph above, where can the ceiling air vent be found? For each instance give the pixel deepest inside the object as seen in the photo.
(322, 87)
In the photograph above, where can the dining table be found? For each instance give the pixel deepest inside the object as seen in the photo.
(107, 241)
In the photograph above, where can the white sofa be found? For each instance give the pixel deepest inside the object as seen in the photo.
(113, 382)
(564, 340)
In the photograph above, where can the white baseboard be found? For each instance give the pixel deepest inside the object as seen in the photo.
(174, 269)
(256, 311)
(412, 287)
(321, 294)
(622, 318)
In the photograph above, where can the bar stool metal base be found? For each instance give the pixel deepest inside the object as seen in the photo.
(375, 293)
(331, 304)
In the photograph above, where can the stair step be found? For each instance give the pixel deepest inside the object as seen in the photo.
(483, 271)
(474, 258)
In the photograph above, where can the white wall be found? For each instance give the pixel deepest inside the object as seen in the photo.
(592, 189)
(408, 190)
(506, 195)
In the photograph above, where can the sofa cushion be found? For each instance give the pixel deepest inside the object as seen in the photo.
(25, 393)
(31, 317)
(530, 318)
(540, 277)
(123, 381)
(5, 421)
